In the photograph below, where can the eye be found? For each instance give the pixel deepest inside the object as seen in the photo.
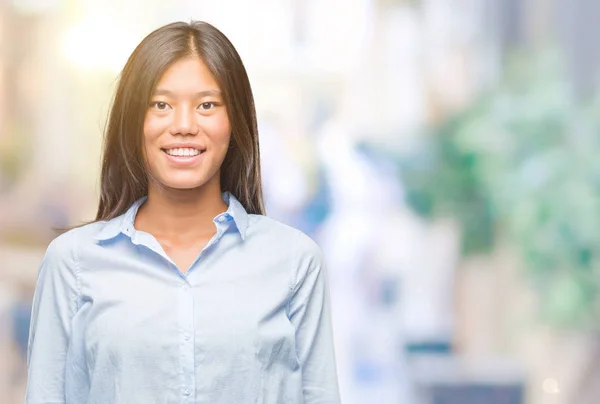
(160, 105)
(207, 105)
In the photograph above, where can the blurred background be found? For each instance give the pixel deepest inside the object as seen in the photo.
(441, 152)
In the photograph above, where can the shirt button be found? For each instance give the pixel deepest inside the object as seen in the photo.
(187, 392)
(186, 336)
(221, 219)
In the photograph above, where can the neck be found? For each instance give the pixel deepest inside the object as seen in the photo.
(180, 214)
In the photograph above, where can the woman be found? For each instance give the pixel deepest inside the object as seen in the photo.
(182, 291)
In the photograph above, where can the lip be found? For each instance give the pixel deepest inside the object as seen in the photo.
(183, 161)
(184, 146)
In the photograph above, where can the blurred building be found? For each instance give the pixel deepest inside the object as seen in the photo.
(342, 89)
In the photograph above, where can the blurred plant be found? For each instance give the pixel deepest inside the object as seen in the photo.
(12, 157)
(521, 164)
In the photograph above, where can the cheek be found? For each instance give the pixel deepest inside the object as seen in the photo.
(219, 131)
(151, 132)
(153, 128)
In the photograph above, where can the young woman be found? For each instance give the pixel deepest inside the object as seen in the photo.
(182, 291)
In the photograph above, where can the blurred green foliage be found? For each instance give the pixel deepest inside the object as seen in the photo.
(13, 156)
(523, 164)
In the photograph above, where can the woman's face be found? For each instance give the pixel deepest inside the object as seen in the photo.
(186, 128)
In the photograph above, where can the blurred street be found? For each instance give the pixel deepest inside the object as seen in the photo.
(443, 154)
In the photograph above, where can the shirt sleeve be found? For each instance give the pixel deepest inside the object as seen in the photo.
(54, 304)
(310, 313)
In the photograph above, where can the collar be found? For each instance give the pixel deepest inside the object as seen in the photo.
(124, 223)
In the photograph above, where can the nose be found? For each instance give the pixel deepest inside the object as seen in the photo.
(185, 122)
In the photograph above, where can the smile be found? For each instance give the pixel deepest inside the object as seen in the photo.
(182, 152)
(183, 156)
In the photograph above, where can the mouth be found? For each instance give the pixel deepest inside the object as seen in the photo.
(183, 155)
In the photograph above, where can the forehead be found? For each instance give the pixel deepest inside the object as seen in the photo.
(187, 74)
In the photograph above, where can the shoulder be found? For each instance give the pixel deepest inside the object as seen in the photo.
(302, 249)
(62, 247)
(59, 259)
(268, 227)
(65, 246)
(89, 232)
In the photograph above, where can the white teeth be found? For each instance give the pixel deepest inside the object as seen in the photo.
(181, 152)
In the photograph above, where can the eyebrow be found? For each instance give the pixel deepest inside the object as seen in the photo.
(205, 93)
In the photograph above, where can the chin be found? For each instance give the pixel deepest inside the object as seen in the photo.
(186, 181)
(178, 183)
(182, 185)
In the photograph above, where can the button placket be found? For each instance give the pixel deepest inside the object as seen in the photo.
(186, 318)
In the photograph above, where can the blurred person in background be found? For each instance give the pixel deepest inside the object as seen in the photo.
(182, 290)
